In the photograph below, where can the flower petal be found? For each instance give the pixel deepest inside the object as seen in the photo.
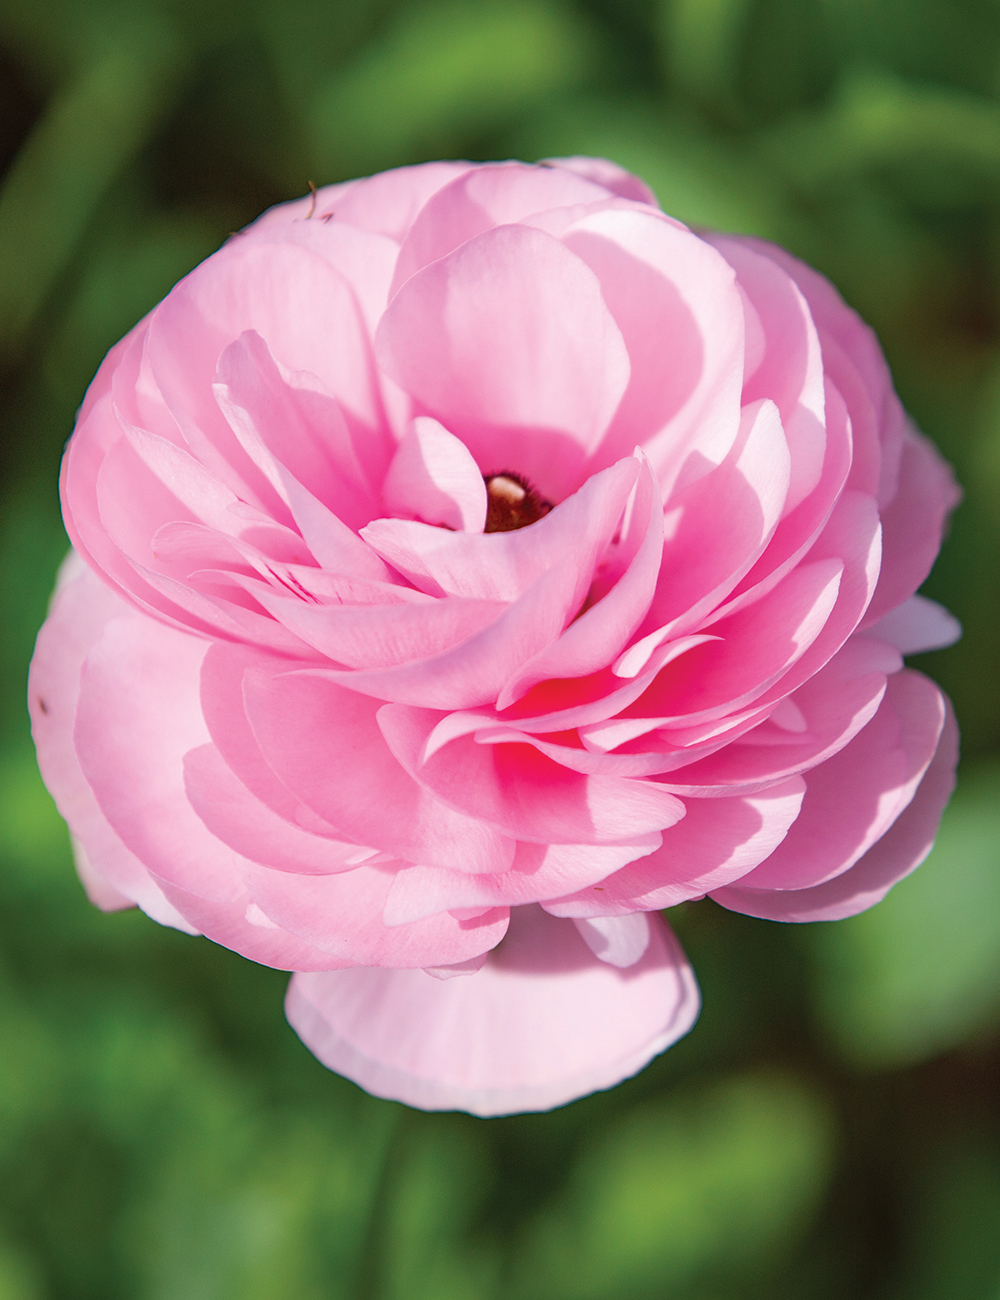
(434, 478)
(542, 1023)
(900, 850)
(508, 343)
(854, 797)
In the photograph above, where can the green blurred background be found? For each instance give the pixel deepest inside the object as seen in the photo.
(830, 1128)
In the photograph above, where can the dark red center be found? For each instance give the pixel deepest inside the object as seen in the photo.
(512, 503)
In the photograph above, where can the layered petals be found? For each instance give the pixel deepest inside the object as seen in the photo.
(473, 561)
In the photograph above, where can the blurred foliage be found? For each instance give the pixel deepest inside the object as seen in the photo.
(830, 1129)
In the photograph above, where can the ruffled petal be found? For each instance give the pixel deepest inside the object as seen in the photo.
(342, 914)
(325, 745)
(918, 625)
(482, 198)
(111, 874)
(538, 872)
(854, 797)
(508, 343)
(913, 524)
(900, 850)
(676, 303)
(524, 793)
(434, 478)
(718, 841)
(542, 1023)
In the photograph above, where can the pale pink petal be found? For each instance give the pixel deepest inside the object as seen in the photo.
(913, 524)
(799, 529)
(434, 478)
(854, 797)
(542, 1023)
(718, 841)
(900, 850)
(388, 202)
(918, 625)
(790, 372)
(538, 872)
(683, 399)
(288, 289)
(853, 538)
(610, 175)
(619, 940)
(482, 198)
(342, 914)
(112, 875)
(719, 676)
(254, 830)
(131, 752)
(851, 348)
(295, 428)
(507, 342)
(524, 793)
(476, 672)
(325, 745)
(593, 639)
(78, 491)
(702, 563)
(502, 566)
(224, 711)
(380, 636)
(239, 924)
(457, 968)
(131, 749)
(832, 707)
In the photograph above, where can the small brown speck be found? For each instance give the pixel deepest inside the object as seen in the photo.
(42, 705)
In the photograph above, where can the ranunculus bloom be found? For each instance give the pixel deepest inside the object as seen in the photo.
(475, 561)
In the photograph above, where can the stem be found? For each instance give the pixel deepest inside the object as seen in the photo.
(373, 1250)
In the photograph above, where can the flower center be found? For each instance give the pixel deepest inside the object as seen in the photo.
(512, 503)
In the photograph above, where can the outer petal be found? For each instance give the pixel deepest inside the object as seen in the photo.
(137, 716)
(918, 625)
(324, 743)
(498, 194)
(523, 792)
(854, 797)
(610, 175)
(900, 850)
(112, 875)
(719, 840)
(542, 1023)
(816, 721)
(912, 526)
(676, 303)
(539, 871)
(342, 914)
(387, 202)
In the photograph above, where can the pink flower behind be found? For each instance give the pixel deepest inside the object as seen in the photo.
(468, 565)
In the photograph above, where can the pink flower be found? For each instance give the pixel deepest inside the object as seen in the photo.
(471, 562)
